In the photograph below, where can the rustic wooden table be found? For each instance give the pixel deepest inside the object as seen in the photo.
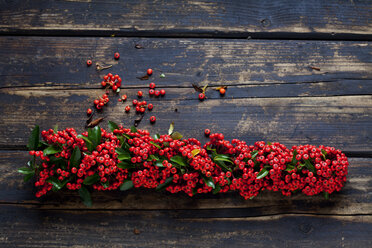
(262, 50)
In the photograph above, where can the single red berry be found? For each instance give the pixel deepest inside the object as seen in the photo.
(114, 87)
(150, 106)
(207, 132)
(116, 55)
(89, 111)
(201, 96)
(222, 91)
(149, 72)
(96, 102)
(162, 92)
(152, 85)
(142, 110)
(139, 93)
(103, 83)
(157, 93)
(124, 97)
(137, 108)
(127, 108)
(105, 78)
(89, 62)
(110, 75)
(135, 102)
(152, 119)
(151, 92)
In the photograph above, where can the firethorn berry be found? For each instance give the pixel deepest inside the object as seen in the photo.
(124, 97)
(96, 102)
(89, 62)
(116, 55)
(139, 93)
(162, 92)
(151, 92)
(114, 88)
(222, 91)
(207, 132)
(150, 106)
(103, 83)
(201, 96)
(135, 102)
(127, 108)
(89, 111)
(149, 72)
(157, 93)
(152, 85)
(152, 119)
(142, 110)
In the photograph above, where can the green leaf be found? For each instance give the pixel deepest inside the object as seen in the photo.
(55, 129)
(309, 166)
(152, 157)
(223, 165)
(217, 189)
(127, 184)
(75, 157)
(178, 160)
(57, 185)
(94, 134)
(85, 196)
(176, 136)
(52, 150)
(289, 167)
(263, 173)
(33, 140)
(224, 158)
(294, 160)
(195, 152)
(26, 170)
(171, 128)
(269, 143)
(324, 154)
(156, 136)
(159, 164)
(209, 181)
(124, 156)
(125, 165)
(154, 144)
(254, 154)
(88, 142)
(27, 178)
(326, 195)
(162, 75)
(112, 125)
(133, 129)
(165, 184)
(105, 184)
(91, 179)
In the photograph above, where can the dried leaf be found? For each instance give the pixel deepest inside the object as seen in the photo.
(220, 87)
(197, 88)
(146, 77)
(136, 231)
(95, 122)
(315, 68)
(138, 46)
(138, 120)
(100, 67)
(171, 128)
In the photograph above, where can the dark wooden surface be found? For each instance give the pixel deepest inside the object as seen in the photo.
(272, 95)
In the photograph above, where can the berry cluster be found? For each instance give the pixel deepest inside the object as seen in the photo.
(113, 81)
(126, 158)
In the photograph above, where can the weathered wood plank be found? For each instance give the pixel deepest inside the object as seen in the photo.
(233, 18)
(343, 122)
(41, 228)
(353, 199)
(62, 62)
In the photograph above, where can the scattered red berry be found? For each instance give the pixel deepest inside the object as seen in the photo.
(201, 96)
(127, 109)
(207, 132)
(222, 91)
(151, 92)
(142, 110)
(157, 93)
(152, 119)
(116, 55)
(124, 97)
(162, 92)
(150, 106)
(89, 62)
(139, 93)
(149, 72)
(152, 85)
(114, 88)
(135, 102)
(89, 111)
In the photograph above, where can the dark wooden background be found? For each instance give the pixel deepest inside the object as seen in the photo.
(262, 50)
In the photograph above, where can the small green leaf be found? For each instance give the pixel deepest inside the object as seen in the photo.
(224, 158)
(88, 142)
(209, 181)
(121, 151)
(52, 150)
(152, 157)
(91, 179)
(195, 152)
(289, 167)
(254, 154)
(105, 184)
(223, 165)
(326, 195)
(162, 75)
(26, 170)
(158, 164)
(250, 198)
(112, 125)
(94, 134)
(125, 165)
(57, 185)
(33, 140)
(324, 154)
(263, 173)
(171, 128)
(217, 189)
(156, 136)
(165, 184)
(269, 143)
(55, 129)
(294, 160)
(127, 184)
(85, 196)
(27, 178)
(178, 160)
(176, 136)
(133, 129)
(75, 157)
(122, 157)
(154, 144)
(309, 166)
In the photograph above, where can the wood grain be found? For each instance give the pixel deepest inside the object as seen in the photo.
(352, 200)
(62, 62)
(233, 18)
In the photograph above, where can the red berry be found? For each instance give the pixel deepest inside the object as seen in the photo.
(149, 72)
(114, 87)
(222, 91)
(207, 132)
(157, 93)
(127, 108)
(152, 85)
(139, 93)
(109, 75)
(152, 119)
(201, 96)
(89, 62)
(103, 83)
(150, 106)
(142, 110)
(137, 108)
(162, 92)
(89, 111)
(116, 55)
(124, 97)
(105, 78)
(96, 102)
(135, 102)
(151, 92)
